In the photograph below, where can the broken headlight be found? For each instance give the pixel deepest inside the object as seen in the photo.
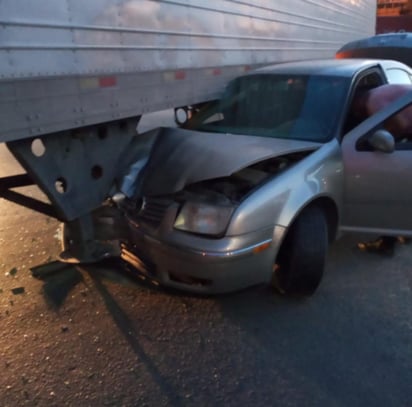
(202, 218)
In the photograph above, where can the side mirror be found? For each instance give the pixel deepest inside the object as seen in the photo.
(382, 141)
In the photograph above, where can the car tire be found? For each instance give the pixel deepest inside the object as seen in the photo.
(300, 263)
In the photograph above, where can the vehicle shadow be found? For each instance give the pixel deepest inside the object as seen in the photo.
(59, 279)
(114, 271)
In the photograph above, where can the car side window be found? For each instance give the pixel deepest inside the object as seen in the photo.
(399, 76)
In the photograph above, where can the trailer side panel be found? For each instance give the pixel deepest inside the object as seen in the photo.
(69, 63)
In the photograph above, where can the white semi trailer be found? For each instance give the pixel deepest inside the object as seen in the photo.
(76, 76)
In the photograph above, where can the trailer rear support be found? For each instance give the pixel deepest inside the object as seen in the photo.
(76, 169)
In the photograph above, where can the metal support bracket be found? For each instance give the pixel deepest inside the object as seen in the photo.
(22, 180)
(76, 169)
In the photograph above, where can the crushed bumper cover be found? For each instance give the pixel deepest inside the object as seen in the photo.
(216, 266)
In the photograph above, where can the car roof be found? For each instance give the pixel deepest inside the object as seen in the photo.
(339, 67)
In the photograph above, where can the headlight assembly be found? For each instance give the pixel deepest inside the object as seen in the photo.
(203, 218)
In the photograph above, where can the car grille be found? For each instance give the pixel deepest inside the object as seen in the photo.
(153, 210)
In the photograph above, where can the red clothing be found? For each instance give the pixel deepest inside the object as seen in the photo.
(377, 98)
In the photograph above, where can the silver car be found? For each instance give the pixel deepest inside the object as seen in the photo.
(255, 186)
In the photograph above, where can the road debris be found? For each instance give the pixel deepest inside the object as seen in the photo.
(12, 272)
(18, 290)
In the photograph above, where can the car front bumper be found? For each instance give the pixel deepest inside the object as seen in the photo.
(203, 265)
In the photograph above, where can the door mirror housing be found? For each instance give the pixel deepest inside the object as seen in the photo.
(383, 141)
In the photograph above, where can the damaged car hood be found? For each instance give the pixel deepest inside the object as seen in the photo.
(181, 157)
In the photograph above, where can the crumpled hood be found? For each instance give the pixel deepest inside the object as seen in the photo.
(181, 157)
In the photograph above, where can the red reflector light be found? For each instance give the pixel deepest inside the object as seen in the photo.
(107, 81)
(179, 75)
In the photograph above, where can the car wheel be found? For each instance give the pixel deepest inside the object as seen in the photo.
(300, 263)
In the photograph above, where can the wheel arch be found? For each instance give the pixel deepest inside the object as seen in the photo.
(330, 210)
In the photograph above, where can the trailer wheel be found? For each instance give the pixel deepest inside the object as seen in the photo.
(300, 263)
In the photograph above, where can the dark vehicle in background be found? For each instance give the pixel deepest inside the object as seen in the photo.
(395, 46)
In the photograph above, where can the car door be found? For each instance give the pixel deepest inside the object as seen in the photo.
(377, 184)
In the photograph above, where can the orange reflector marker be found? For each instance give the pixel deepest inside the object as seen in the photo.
(88, 83)
(169, 76)
(261, 248)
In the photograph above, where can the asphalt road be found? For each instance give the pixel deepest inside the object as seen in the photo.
(97, 336)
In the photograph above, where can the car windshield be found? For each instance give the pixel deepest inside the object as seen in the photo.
(300, 107)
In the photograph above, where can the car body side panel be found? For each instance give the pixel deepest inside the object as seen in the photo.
(378, 190)
(280, 200)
